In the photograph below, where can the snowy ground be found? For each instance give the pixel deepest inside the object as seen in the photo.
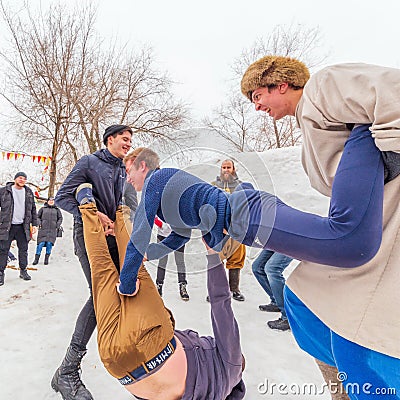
(37, 317)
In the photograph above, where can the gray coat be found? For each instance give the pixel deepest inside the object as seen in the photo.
(7, 210)
(50, 219)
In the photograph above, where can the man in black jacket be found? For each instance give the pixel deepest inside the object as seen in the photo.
(17, 214)
(105, 171)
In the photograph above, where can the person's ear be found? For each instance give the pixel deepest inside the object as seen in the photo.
(143, 165)
(283, 87)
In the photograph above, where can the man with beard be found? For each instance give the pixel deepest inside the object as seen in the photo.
(229, 181)
(18, 213)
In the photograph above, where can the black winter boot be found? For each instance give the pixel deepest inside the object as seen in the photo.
(159, 288)
(36, 260)
(234, 276)
(23, 274)
(1, 278)
(183, 291)
(67, 380)
(46, 259)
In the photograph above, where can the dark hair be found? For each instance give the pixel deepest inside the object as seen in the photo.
(114, 131)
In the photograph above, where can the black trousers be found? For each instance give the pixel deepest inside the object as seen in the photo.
(17, 233)
(86, 322)
(179, 261)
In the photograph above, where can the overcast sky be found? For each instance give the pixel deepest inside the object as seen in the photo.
(197, 41)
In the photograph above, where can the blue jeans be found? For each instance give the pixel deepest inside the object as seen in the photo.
(40, 246)
(366, 372)
(268, 269)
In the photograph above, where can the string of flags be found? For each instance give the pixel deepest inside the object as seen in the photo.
(16, 155)
(11, 155)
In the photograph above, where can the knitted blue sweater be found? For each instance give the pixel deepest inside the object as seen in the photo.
(185, 202)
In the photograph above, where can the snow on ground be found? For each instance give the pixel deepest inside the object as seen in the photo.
(37, 317)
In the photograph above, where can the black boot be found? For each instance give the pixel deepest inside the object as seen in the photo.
(159, 288)
(183, 291)
(67, 380)
(36, 260)
(23, 274)
(234, 276)
(46, 259)
(1, 278)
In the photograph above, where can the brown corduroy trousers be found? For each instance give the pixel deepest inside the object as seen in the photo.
(234, 253)
(131, 330)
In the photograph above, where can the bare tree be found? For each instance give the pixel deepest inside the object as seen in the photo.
(65, 85)
(236, 120)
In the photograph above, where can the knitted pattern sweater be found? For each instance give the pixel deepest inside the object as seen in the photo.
(185, 202)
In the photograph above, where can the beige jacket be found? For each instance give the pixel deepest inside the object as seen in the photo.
(361, 304)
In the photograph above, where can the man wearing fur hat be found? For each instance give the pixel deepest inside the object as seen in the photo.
(105, 172)
(343, 316)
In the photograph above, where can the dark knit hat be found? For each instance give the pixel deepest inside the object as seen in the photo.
(273, 70)
(20, 174)
(115, 129)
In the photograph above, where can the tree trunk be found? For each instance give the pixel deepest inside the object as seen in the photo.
(53, 167)
(278, 142)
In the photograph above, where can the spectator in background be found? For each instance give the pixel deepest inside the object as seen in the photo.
(229, 181)
(50, 220)
(268, 269)
(163, 231)
(17, 214)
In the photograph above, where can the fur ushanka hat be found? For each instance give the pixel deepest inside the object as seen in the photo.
(273, 70)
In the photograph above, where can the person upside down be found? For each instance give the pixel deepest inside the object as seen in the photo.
(137, 340)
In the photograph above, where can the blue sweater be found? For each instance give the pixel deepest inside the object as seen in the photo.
(184, 201)
(348, 237)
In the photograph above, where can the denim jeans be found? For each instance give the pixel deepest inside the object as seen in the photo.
(86, 322)
(268, 269)
(40, 246)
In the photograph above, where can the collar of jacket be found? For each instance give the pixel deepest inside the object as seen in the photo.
(151, 172)
(106, 156)
(9, 186)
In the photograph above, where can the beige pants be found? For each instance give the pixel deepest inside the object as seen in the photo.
(234, 253)
(131, 330)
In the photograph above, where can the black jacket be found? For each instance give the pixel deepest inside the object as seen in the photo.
(50, 219)
(107, 175)
(7, 211)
